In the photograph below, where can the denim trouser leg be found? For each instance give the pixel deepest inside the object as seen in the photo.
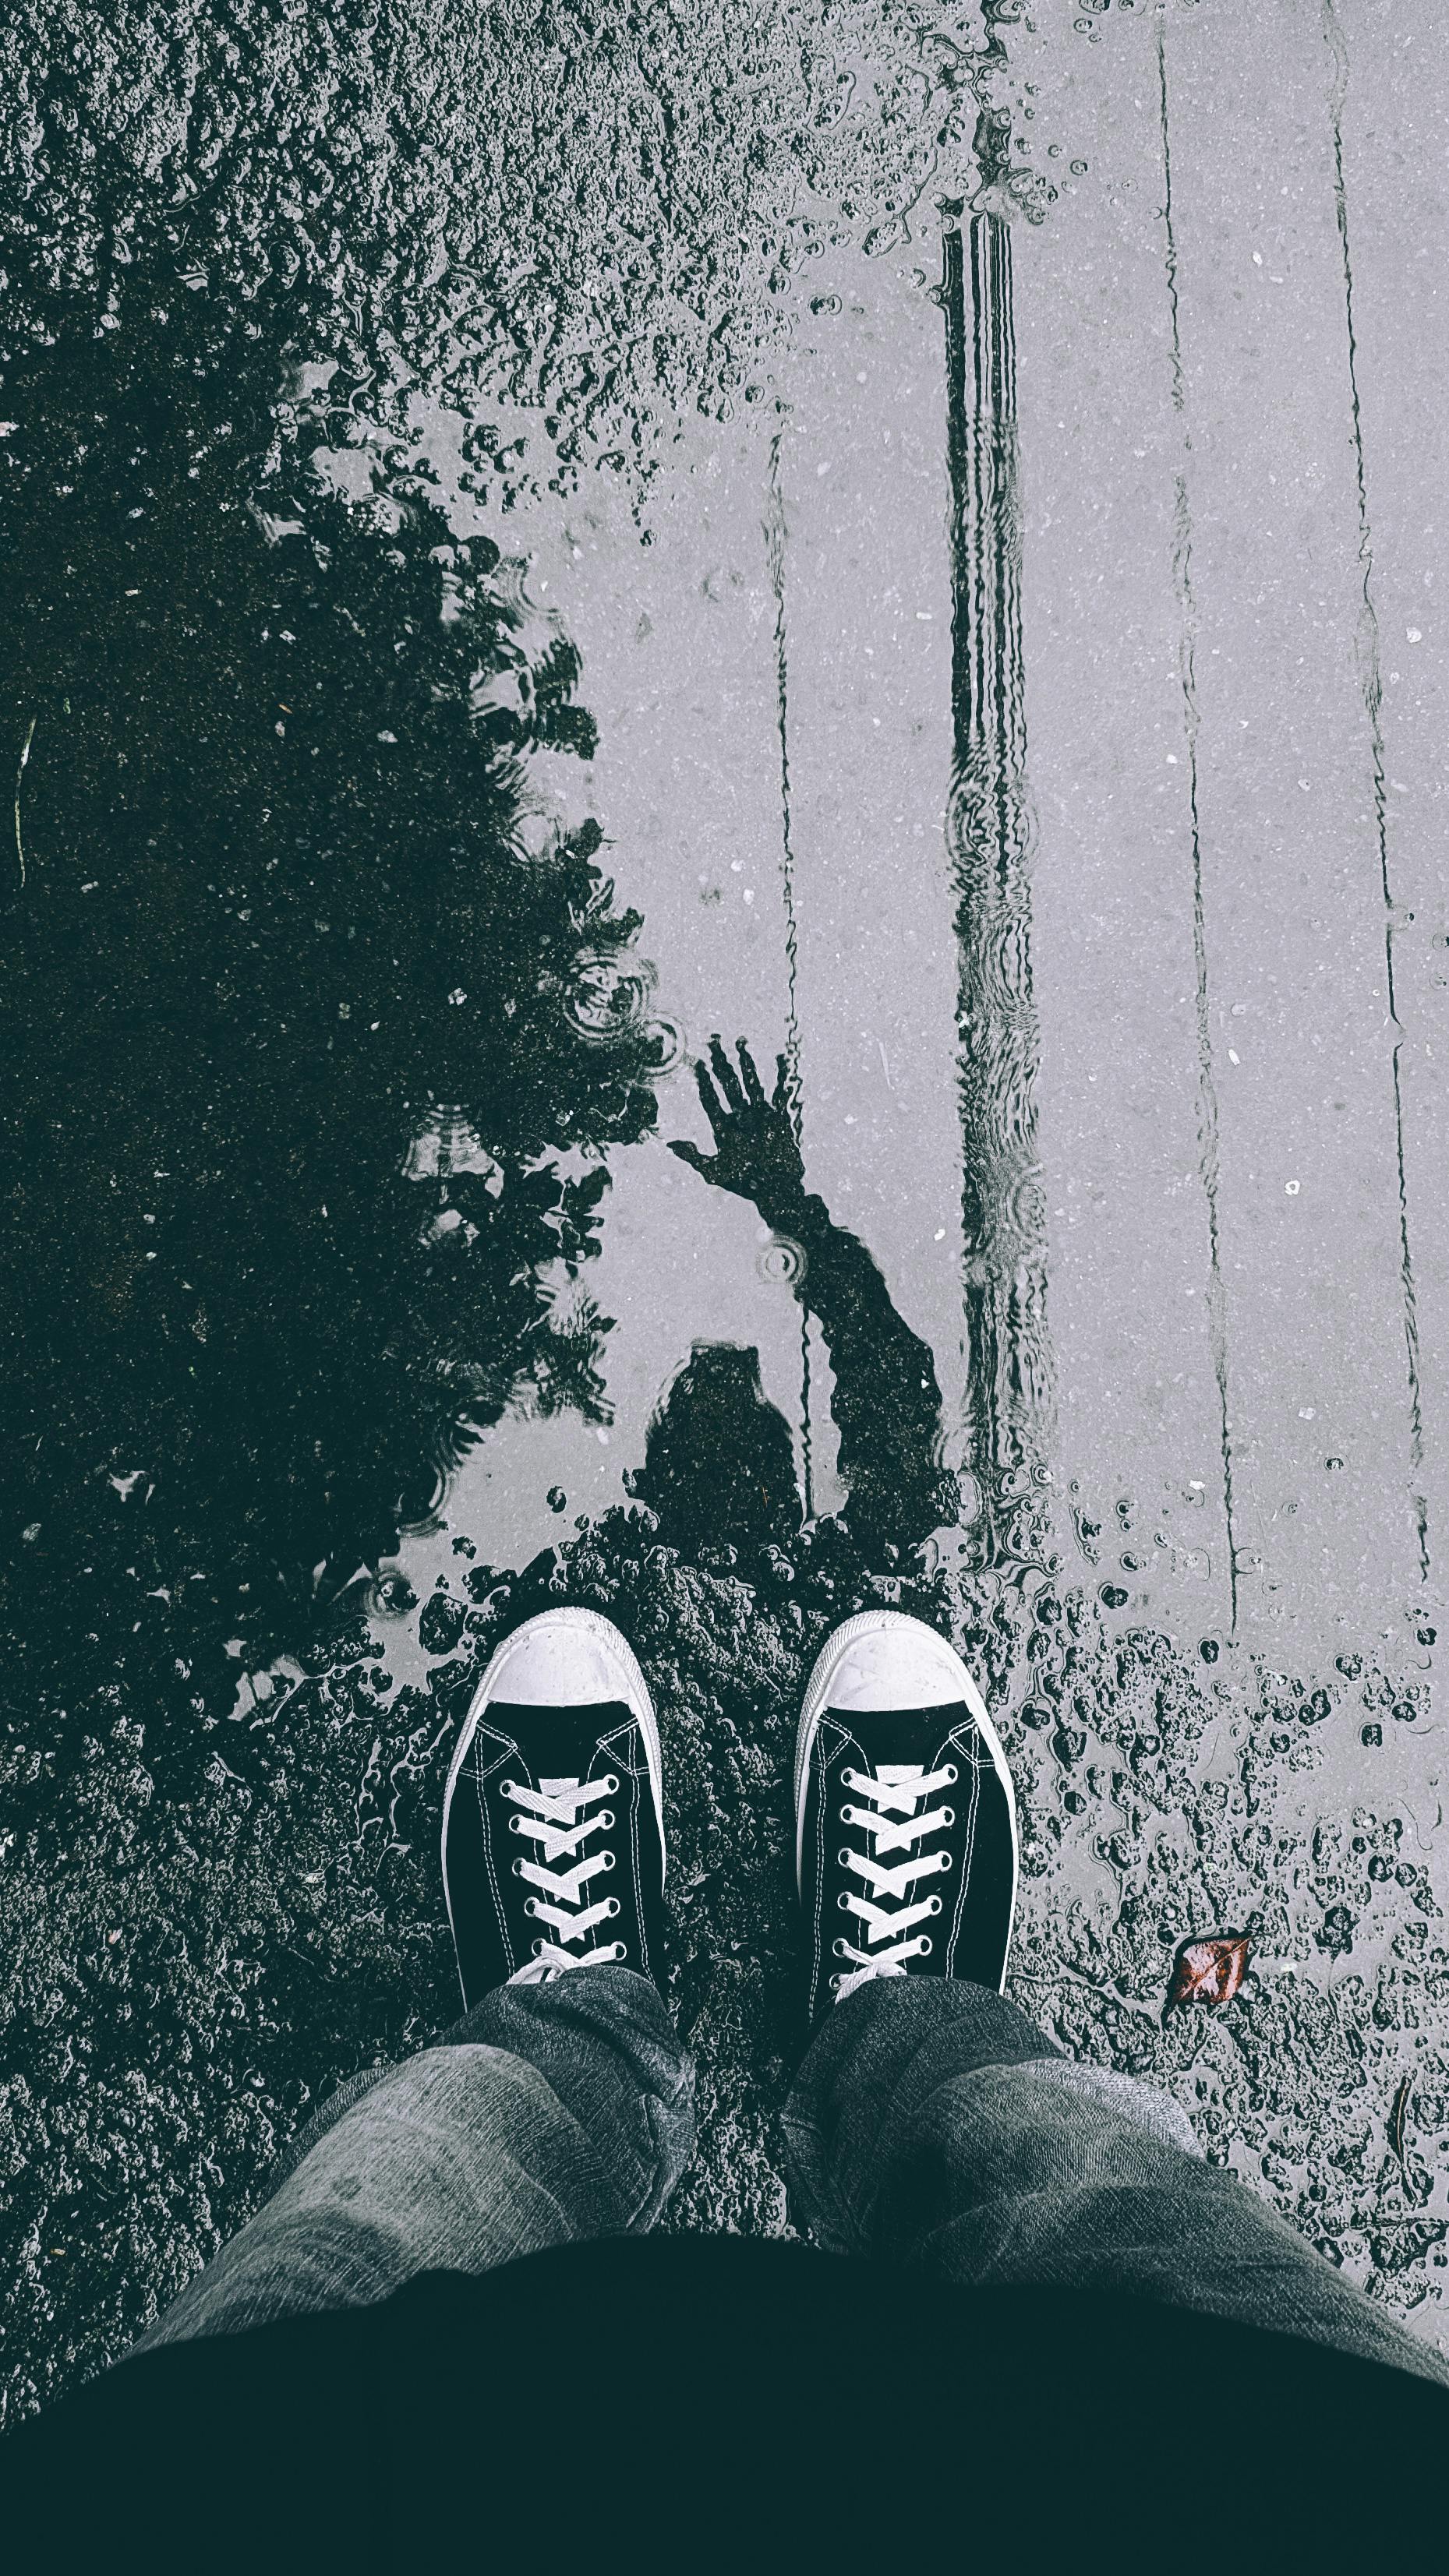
(549, 2113)
(933, 2123)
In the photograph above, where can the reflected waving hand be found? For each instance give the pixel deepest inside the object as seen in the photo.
(756, 1155)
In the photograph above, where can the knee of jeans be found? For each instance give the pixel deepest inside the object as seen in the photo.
(1018, 2129)
(443, 2104)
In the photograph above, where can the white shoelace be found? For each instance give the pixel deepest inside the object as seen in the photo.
(553, 1816)
(895, 1819)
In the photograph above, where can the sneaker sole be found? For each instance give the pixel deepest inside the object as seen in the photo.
(593, 1623)
(817, 1698)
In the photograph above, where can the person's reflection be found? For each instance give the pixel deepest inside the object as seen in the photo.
(719, 1464)
(719, 1461)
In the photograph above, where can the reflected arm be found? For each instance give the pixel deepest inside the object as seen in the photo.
(887, 1402)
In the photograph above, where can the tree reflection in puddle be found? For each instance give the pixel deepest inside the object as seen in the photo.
(305, 1000)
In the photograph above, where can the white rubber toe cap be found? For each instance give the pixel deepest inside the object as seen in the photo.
(566, 1659)
(883, 1660)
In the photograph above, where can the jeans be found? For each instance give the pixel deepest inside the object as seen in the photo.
(931, 2123)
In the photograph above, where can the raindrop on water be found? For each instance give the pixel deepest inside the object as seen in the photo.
(782, 1259)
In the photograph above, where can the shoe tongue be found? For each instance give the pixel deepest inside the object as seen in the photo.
(912, 1736)
(560, 1745)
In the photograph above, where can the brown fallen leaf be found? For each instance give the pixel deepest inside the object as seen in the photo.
(1209, 1972)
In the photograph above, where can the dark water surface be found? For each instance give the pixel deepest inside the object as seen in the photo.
(279, 918)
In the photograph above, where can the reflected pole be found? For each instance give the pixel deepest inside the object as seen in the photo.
(990, 835)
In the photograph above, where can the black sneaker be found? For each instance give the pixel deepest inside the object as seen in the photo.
(553, 1820)
(905, 1819)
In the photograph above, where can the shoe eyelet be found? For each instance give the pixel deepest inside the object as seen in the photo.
(840, 1948)
(517, 1866)
(844, 1859)
(530, 1905)
(952, 1773)
(935, 1905)
(843, 1902)
(606, 1818)
(945, 1861)
(948, 1815)
(608, 1859)
(610, 1786)
(621, 1950)
(515, 1824)
(613, 1905)
(835, 1984)
(508, 1788)
(926, 1945)
(538, 1949)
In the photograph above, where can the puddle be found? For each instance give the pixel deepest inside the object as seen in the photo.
(481, 647)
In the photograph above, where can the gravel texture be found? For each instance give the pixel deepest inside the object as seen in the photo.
(591, 212)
